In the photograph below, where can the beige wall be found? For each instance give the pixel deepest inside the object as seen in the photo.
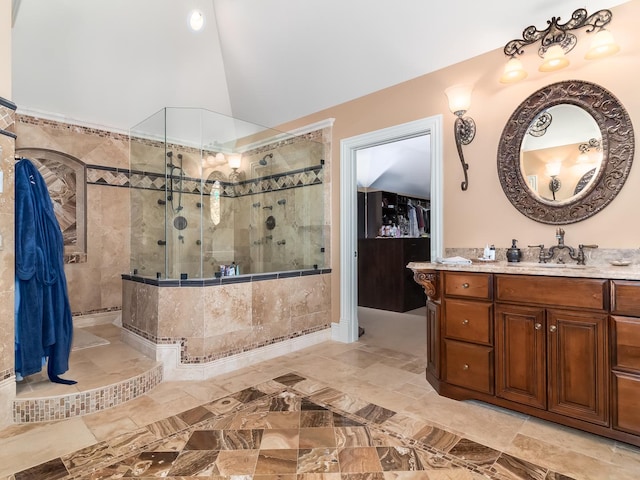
(483, 214)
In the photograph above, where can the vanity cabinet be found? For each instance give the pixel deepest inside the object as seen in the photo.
(565, 349)
(553, 356)
(468, 338)
(625, 355)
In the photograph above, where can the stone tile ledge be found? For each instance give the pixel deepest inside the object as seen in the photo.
(60, 407)
(630, 272)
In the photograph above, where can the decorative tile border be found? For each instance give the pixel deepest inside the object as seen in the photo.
(7, 117)
(34, 410)
(61, 126)
(118, 177)
(97, 310)
(186, 359)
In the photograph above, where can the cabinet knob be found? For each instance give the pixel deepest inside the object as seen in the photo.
(465, 367)
(465, 285)
(465, 322)
(538, 326)
(553, 328)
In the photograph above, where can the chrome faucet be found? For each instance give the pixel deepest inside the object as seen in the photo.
(579, 256)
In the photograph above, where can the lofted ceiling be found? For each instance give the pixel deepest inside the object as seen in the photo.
(402, 167)
(113, 63)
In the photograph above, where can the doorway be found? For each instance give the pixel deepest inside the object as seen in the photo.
(347, 330)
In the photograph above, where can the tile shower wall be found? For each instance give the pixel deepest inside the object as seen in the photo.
(7, 260)
(287, 188)
(213, 322)
(94, 285)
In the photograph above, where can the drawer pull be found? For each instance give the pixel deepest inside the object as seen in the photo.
(465, 285)
(553, 328)
(538, 326)
(465, 322)
(465, 367)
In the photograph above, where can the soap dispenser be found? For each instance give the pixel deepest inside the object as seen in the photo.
(514, 254)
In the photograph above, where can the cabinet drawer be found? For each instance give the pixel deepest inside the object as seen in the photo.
(626, 343)
(472, 285)
(626, 403)
(468, 320)
(553, 291)
(469, 366)
(625, 298)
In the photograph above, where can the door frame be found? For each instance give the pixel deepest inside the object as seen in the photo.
(347, 330)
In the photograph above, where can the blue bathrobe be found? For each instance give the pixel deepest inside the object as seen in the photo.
(44, 325)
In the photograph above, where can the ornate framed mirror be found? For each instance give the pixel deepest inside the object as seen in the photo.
(565, 152)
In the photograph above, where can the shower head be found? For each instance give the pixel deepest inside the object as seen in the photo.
(264, 159)
(169, 154)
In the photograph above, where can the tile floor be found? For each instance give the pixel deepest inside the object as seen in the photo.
(332, 411)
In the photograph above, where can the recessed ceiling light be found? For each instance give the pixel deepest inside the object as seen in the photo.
(196, 20)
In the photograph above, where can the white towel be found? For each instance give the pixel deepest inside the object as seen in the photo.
(454, 261)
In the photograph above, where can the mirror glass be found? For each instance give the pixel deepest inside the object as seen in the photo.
(565, 152)
(561, 153)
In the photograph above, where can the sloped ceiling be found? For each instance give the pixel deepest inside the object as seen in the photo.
(113, 63)
(401, 167)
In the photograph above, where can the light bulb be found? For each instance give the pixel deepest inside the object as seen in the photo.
(513, 71)
(602, 45)
(196, 20)
(459, 98)
(554, 59)
(235, 161)
(553, 168)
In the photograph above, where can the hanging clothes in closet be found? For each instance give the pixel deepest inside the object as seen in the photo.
(44, 325)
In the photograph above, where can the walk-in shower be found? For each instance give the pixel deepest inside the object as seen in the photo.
(209, 191)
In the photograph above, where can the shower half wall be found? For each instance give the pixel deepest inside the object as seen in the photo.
(209, 191)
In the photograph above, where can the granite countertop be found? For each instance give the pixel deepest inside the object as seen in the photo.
(630, 272)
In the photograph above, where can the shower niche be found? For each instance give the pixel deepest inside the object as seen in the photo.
(208, 190)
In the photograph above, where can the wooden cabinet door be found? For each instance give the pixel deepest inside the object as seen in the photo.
(433, 339)
(521, 354)
(626, 402)
(577, 344)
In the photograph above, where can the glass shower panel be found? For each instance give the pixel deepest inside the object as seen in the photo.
(209, 192)
(147, 194)
(184, 210)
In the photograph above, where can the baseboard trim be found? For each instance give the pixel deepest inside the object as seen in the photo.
(174, 370)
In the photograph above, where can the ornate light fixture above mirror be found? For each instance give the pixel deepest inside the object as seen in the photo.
(557, 40)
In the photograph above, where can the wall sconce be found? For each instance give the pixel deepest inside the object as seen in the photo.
(464, 128)
(553, 170)
(234, 162)
(557, 40)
